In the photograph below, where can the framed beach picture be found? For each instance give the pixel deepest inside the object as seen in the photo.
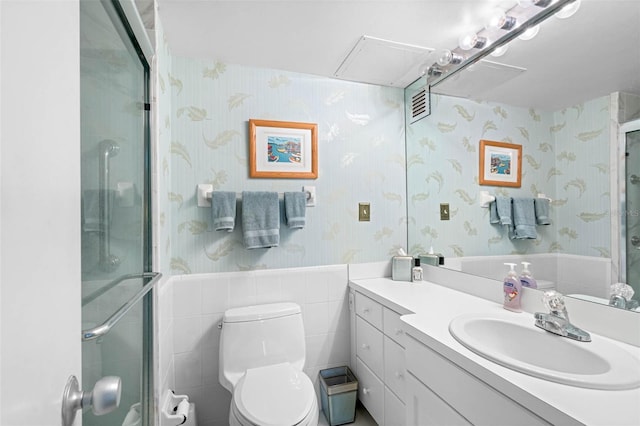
(283, 149)
(500, 164)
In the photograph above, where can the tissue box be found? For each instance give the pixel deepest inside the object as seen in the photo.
(434, 259)
(401, 268)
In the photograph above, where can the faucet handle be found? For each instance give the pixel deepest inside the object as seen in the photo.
(554, 301)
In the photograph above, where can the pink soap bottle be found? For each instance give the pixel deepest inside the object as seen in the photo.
(512, 290)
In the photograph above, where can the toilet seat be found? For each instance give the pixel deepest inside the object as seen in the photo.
(274, 395)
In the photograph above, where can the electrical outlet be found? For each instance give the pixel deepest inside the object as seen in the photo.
(364, 212)
(444, 211)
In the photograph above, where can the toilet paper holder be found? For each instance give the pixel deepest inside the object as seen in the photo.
(175, 409)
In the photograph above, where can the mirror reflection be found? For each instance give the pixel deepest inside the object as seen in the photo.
(578, 130)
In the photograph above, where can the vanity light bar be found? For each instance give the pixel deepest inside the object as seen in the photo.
(537, 18)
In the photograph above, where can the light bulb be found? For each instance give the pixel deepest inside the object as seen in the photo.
(447, 57)
(530, 33)
(568, 10)
(500, 51)
(501, 21)
(472, 41)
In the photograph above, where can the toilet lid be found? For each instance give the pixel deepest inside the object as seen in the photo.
(274, 395)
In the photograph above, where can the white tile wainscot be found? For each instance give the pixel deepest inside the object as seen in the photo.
(448, 384)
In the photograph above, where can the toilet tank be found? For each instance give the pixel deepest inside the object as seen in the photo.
(260, 335)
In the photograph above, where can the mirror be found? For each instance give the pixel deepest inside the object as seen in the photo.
(564, 110)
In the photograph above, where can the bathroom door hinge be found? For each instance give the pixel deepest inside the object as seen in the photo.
(147, 107)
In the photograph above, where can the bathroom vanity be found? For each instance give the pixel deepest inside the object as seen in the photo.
(412, 371)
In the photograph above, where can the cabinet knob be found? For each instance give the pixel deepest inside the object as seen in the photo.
(399, 331)
(366, 391)
(399, 375)
(365, 346)
(365, 310)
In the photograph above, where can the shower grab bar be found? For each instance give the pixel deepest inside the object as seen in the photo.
(108, 149)
(105, 327)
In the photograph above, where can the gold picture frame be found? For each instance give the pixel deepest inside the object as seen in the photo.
(500, 164)
(283, 149)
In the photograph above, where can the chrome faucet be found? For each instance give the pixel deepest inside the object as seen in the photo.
(557, 320)
(621, 296)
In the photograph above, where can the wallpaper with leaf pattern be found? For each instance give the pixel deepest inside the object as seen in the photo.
(361, 159)
(565, 156)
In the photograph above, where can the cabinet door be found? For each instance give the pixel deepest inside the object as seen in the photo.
(369, 346)
(425, 408)
(369, 309)
(394, 367)
(371, 392)
(394, 410)
(393, 326)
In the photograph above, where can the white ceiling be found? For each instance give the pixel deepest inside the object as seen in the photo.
(593, 53)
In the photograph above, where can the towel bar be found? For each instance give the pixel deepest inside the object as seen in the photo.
(486, 198)
(204, 192)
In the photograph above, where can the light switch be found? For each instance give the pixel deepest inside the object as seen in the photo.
(444, 211)
(364, 212)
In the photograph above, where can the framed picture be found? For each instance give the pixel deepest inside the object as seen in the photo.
(282, 149)
(500, 164)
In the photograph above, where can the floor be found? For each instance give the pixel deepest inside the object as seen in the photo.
(363, 418)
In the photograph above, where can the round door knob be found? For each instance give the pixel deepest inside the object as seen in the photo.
(105, 396)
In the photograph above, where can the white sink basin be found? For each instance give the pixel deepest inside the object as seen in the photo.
(514, 342)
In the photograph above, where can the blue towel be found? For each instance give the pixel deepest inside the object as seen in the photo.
(524, 219)
(260, 219)
(493, 213)
(295, 205)
(223, 210)
(503, 207)
(542, 211)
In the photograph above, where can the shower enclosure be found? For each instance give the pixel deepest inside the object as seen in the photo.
(117, 281)
(630, 206)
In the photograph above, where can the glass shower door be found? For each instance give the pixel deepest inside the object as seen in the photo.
(115, 213)
(632, 199)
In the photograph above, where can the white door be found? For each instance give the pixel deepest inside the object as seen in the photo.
(39, 208)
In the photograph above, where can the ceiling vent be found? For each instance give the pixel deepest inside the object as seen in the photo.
(383, 62)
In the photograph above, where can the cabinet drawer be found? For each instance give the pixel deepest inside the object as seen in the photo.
(478, 402)
(371, 392)
(369, 346)
(394, 367)
(369, 309)
(424, 408)
(394, 410)
(392, 326)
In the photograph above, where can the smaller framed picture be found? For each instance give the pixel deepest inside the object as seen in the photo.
(500, 164)
(283, 149)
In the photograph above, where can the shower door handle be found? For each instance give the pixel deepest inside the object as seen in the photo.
(635, 241)
(103, 399)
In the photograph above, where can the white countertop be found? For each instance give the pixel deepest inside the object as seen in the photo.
(429, 308)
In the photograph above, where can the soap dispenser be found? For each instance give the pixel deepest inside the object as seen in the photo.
(526, 279)
(512, 289)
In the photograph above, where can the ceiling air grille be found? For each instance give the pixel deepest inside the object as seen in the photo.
(420, 105)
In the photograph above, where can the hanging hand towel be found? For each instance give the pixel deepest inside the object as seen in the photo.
(295, 205)
(503, 207)
(542, 211)
(524, 219)
(223, 210)
(260, 219)
(493, 213)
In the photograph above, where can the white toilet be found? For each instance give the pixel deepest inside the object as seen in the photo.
(262, 354)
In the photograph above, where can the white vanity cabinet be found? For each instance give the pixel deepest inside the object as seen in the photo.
(380, 363)
(440, 392)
